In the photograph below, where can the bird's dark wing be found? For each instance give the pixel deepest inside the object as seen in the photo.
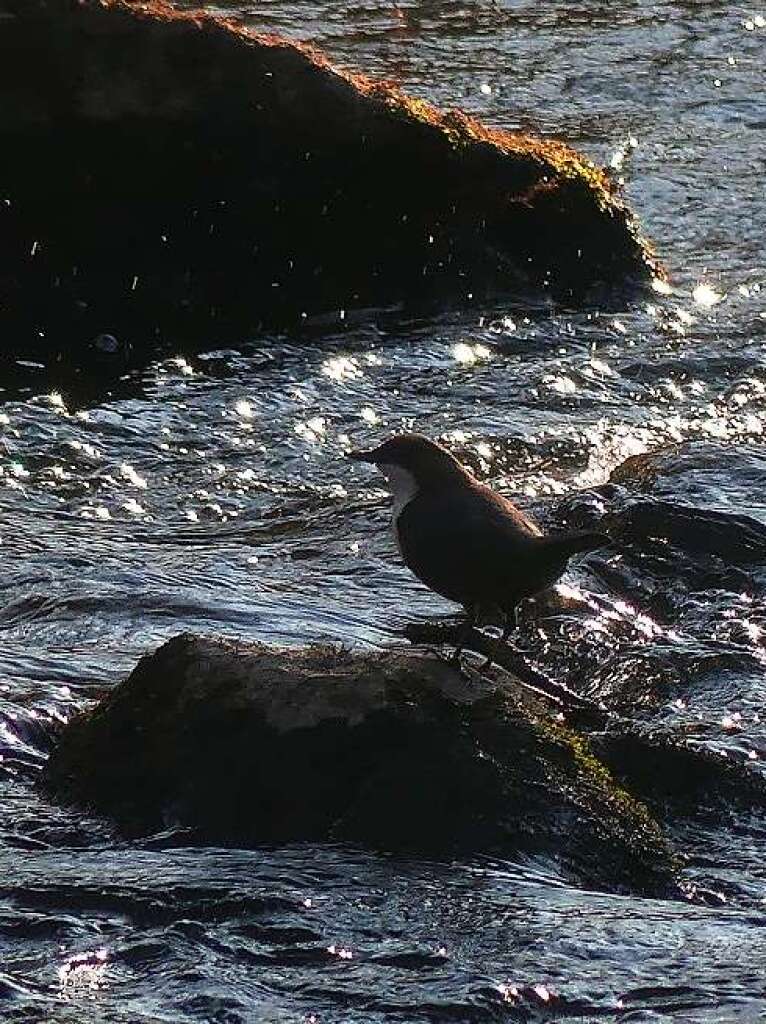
(473, 548)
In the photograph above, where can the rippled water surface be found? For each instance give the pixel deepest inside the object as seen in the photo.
(212, 494)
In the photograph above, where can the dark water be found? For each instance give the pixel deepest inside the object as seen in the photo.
(217, 499)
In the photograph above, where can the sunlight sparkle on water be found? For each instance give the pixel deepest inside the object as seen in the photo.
(55, 399)
(640, 621)
(463, 353)
(313, 429)
(706, 296)
(754, 631)
(341, 368)
(601, 367)
(609, 445)
(503, 326)
(469, 354)
(609, 442)
(127, 472)
(340, 952)
(510, 993)
(244, 409)
(622, 151)
(562, 385)
(568, 591)
(181, 364)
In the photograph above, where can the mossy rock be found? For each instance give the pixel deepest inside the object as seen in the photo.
(248, 744)
(228, 181)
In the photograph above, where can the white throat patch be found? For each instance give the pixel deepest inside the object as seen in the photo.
(403, 487)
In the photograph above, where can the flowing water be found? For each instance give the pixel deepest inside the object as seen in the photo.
(212, 494)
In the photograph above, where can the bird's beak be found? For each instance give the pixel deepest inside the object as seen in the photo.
(360, 456)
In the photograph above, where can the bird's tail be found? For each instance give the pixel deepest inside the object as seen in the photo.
(564, 545)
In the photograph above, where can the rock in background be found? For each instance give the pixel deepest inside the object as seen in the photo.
(171, 180)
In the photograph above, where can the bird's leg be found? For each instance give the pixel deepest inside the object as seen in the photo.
(465, 632)
(510, 621)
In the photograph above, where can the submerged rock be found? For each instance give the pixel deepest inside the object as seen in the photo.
(690, 514)
(172, 177)
(706, 496)
(248, 744)
(689, 527)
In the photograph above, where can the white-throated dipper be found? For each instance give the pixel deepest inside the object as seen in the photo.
(464, 540)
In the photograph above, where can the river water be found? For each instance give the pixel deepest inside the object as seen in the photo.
(211, 494)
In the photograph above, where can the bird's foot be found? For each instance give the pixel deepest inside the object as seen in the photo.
(456, 661)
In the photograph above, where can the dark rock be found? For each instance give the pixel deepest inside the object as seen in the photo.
(726, 476)
(694, 512)
(690, 517)
(735, 538)
(676, 775)
(171, 178)
(673, 776)
(246, 744)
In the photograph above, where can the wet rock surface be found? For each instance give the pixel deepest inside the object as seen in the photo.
(683, 589)
(677, 524)
(248, 744)
(210, 182)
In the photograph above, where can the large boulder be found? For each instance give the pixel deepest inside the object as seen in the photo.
(172, 177)
(247, 744)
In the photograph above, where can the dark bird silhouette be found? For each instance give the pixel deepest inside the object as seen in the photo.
(464, 540)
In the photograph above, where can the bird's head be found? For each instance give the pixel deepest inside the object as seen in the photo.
(411, 463)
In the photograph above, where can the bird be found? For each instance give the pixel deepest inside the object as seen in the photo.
(464, 540)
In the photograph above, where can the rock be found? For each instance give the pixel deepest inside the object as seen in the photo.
(734, 539)
(727, 476)
(674, 773)
(677, 779)
(690, 514)
(247, 744)
(211, 181)
(689, 528)
(692, 511)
